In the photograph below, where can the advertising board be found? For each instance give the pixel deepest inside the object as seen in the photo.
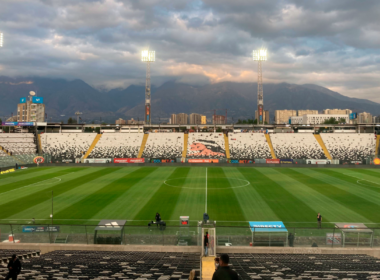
(23, 100)
(9, 123)
(7, 171)
(128, 160)
(353, 116)
(318, 161)
(244, 161)
(98, 160)
(267, 226)
(39, 159)
(37, 99)
(286, 160)
(276, 161)
(333, 238)
(29, 229)
(196, 160)
(25, 124)
(159, 160)
(67, 160)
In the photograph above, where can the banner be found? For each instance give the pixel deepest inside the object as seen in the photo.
(39, 159)
(335, 238)
(128, 160)
(9, 123)
(158, 160)
(28, 229)
(195, 160)
(98, 160)
(318, 161)
(286, 160)
(276, 161)
(25, 124)
(23, 100)
(267, 226)
(37, 99)
(67, 160)
(244, 161)
(7, 171)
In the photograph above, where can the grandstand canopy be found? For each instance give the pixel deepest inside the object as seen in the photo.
(107, 225)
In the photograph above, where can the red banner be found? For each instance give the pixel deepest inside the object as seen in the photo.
(276, 161)
(195, 160)
(128, 160)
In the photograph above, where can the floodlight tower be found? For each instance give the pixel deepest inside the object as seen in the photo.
(148, 57)
(259, 56)
(77, 113)
(1, 39)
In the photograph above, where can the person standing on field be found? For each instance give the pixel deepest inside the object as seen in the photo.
(319, 219)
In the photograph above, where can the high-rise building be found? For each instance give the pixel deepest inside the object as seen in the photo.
(203, 120)
(282, 116)
(316, 119)
(218, 119)
(337, 111)
(195, 118)
(365, 117)
(173, 119)
(307, 112)
(265, 117)
(182, 118)
(32, 110)
(120, 121)
(376, 119)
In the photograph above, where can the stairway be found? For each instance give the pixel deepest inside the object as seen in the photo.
(227, 146)
(2, 149)
(184, 152)
(208, 268)
(143, 145)
(270, 146)
(377, 152)
(39, 146)
(322, 144)
(96, 140)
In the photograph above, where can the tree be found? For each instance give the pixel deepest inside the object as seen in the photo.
(342, 120)
(71, 121)
(248, 121)
(331, 121)
(218, 129)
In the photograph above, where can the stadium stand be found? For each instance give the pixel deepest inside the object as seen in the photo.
(300, 266)
(164, 145)
(206, 145)
(349, 147)
(118, 145)
(296, 146)
(110, 265)
(18, 143)
(6, 254)
(66, 145)
(248, 146)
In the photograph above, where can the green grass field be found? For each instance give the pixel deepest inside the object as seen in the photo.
(231, 195)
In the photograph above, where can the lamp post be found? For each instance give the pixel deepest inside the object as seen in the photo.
(148, 57)
(259, 56)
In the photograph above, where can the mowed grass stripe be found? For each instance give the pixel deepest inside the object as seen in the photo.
(282, 203)
(19, 205)
(95, 202)
(62, 201)
(330, 209)
(373, 174)
(20, 173)
(222, 203)
(192, 199)
(166, 197)
(252, 204)
(34, 180)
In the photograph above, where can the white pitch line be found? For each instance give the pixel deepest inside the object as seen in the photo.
(361, 179)
(33, 185)
(206, 191)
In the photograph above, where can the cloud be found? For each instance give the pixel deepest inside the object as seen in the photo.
(335, 44)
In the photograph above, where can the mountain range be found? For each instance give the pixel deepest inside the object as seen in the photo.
(63, 98)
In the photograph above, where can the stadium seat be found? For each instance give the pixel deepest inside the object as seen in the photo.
(164, 145)
(18, 143)
(248, 146)
(206, 145)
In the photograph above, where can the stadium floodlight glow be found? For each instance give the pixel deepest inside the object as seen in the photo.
(1, 40)
(259, 56)
(148, 56)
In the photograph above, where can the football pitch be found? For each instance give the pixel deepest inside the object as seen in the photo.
(230, 195)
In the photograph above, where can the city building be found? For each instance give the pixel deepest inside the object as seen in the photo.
(133, 121)
(195, 118)
(32, 110)
(265, 117)
(307, 112)
(120, 121)
(173, 119)
(337, 111)
(182, 118)
(282, 116)
(376, 119)
(316, 118)
(365, 118)
(203, 120)
(218, 119)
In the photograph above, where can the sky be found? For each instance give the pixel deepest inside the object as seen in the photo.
(334, 43)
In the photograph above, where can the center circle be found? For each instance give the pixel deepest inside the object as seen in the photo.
(212, 183)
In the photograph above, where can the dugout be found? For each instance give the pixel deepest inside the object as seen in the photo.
(355, 234)
(268, 234)
(109, 232)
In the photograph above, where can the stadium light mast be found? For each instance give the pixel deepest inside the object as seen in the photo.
(148, 57)
(259, 56)
(77, 113)
(1, 39)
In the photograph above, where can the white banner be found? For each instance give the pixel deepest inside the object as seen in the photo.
(318, 161)
(98, 160)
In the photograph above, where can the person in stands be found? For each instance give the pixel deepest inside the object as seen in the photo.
(319, 219)
(216, 260)
(224, 272)
(205, 243)
(14, 268)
